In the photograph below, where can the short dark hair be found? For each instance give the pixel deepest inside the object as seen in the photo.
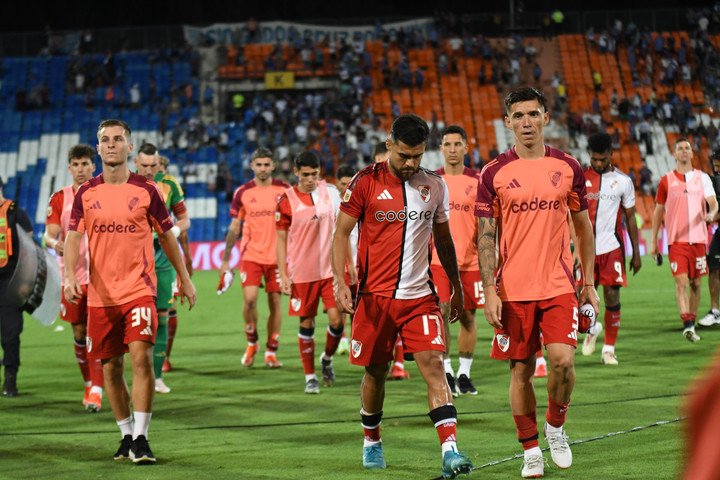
(680, 140)
(307, 159)
(599, 142)
(81, 151)
(409, 129)
(148, 149)
(262, 152)
(114, 122)
(525, 94)
(380, 149)
(454, 129)
(715, 156)
(345, 171)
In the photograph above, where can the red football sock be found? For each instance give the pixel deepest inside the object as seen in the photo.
(172, 328)
(612, 325)
(332, 340)
(307, 354)
(527, 430)
(399, 351)
(556, 413)
(82, 360)
(273, 342)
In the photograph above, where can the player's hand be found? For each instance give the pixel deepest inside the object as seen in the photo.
(493, 308)
(457, 304)
(635, 263)
(576, 259)
(709, 218)
(588, 294)
(352, 273)
(343, 298)
(72, 290)
(60, 247)
(285, 285)
(187, 290)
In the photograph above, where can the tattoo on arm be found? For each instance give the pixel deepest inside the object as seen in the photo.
(230, 240)
(486, 250)
(446, 253)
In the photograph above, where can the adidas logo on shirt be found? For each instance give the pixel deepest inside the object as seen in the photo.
(385, 195)
(513, 184)
(95, 205)
(146, 331)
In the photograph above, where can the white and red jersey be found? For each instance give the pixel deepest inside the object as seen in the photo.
(684, 198)
(396, 219)
(58, 213)
(605, 194)
(463, 224)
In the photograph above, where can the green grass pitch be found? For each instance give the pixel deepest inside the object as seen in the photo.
(223, 421)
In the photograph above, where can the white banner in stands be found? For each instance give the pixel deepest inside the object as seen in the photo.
(273, 32)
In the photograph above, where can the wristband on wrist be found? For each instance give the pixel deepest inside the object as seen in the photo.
(175, 230)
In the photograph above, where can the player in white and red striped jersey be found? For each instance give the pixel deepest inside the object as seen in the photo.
(608, 189)
(399, 206)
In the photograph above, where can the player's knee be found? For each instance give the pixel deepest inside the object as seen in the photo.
(378, 372)
(563, 365)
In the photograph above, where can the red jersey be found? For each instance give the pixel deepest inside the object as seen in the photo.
(118, 222)
(396, 219)
(58, 213)
(531, 199)
(463, 224)
(255, 206)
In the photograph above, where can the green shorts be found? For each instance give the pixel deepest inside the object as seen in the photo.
(165, 280)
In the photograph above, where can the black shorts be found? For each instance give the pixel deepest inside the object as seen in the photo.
(713, 256)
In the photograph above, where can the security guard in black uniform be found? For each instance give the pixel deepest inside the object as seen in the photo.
(11, 316)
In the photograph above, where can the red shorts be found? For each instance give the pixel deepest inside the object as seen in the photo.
(111, 329)
(305, 297)
(610, 269)
(378, 321)
(688, 258)
(473, 294)
(75, 313)
(519, 339)
(252, 274)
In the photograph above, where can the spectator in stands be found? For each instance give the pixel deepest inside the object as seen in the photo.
(597, 81)
(646, 180)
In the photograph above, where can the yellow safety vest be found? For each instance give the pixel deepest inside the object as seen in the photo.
(5, 234)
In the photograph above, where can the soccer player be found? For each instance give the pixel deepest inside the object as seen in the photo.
(253, 219)
(397, 371)
(608, 189)
(81, 168)
(172, 313)
(344, 175)
(713, 255)
(681, 201)
(522, 204)
(305, 217)
(462, 185)
(399, 205)
(118, 210)
(148, 165)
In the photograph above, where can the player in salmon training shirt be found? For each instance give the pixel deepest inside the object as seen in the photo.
(253, 220)
(304, 220)
(118, 210)
(462, 184)
(522, 204)
(681, 200)
(81, 167)
(608, 189)
(399, 206)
